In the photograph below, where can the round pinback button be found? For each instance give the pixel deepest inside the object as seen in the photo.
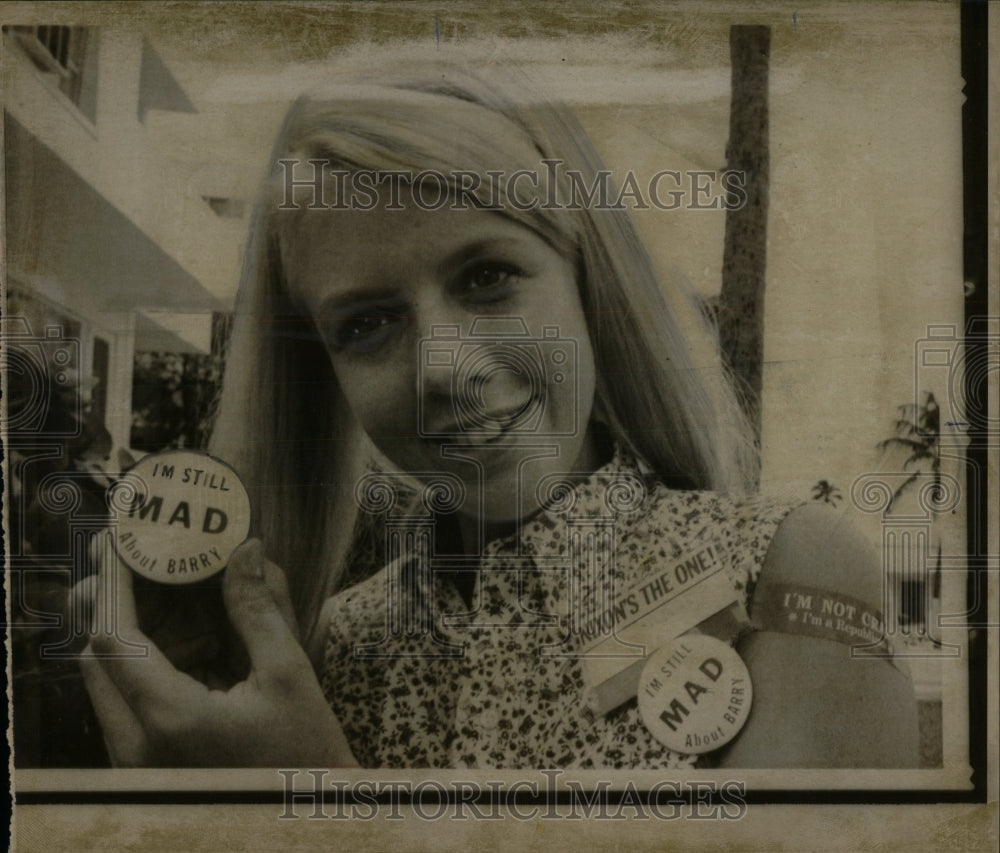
(180, 514)
(694, 694)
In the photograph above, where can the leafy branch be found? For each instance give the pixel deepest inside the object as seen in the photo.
(918, 433)
(825, 491)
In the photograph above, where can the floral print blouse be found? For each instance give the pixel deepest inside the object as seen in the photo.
(419, 677)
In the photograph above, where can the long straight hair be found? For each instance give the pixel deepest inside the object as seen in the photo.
(283, 421)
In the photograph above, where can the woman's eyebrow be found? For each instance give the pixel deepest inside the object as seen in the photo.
(477, 249)
(348, 303)
(342, 303)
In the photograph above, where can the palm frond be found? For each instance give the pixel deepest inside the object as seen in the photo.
(916, 457)
(901, 488)
(917, 431)
(899, 441)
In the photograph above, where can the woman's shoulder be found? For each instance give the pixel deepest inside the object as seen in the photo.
(349, 613)
(696, 508)
(816, 612)
(788, 542)
(818, 546)
(355, 602)
(741, 527)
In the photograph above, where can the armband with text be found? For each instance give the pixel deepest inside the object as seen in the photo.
(809, 611)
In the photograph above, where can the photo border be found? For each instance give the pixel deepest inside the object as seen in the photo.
(978, 28)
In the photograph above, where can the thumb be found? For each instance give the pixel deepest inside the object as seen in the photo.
(274, 577)
(259, 607)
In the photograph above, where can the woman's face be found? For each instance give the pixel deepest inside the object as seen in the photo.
(395, 295)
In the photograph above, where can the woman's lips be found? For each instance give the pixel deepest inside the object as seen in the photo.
(491, 427)
(491, 434)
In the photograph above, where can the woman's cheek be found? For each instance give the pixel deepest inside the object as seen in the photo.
(577, 399)
(381, 398)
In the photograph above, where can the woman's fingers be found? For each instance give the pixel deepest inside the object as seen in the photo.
(249, 558)
(123, 733)
(80, 605)
(193, 654)
(114, 610)
(142, 675)
(278, 584)
(260, 610)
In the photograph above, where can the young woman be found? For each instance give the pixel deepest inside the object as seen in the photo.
(419, 249)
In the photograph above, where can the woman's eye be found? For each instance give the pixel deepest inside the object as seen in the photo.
(365, 333)
(490, 280)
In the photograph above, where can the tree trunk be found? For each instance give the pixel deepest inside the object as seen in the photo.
(741, 303)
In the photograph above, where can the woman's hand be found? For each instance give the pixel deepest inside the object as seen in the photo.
(188, 623)
(153, 714)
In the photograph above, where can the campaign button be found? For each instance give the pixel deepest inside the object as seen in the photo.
(180, 514)
(694, 694)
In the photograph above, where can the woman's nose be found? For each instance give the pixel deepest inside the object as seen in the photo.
(468, 383)
(437, 359)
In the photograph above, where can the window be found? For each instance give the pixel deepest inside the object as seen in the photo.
(101, 374)
(913, 595)
(70, 55)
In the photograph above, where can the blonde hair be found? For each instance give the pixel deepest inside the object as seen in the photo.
(283, 422)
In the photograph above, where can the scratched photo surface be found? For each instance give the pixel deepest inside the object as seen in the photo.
(562, 350)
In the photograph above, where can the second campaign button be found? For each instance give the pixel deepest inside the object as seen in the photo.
(694, 694)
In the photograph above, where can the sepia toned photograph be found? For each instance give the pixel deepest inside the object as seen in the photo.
(433, 419)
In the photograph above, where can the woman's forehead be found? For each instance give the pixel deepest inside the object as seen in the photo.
(351, 247)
